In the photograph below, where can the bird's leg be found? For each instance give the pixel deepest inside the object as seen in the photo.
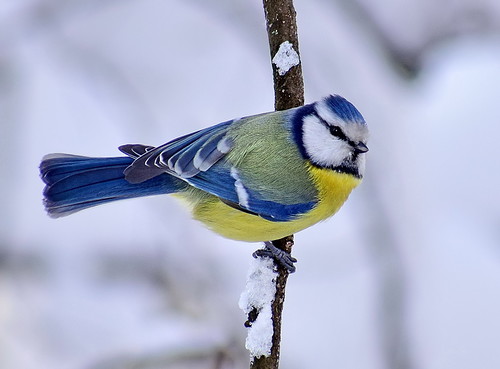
(281, 257)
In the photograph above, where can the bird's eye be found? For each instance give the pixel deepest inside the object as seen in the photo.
(337, 132)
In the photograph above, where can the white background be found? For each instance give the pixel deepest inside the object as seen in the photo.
(406, 275)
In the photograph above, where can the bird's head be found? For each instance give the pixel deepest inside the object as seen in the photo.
(332, 134)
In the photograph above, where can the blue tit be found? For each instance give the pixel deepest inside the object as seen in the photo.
(257, 178)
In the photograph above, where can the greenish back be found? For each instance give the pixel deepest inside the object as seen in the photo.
(268, 160)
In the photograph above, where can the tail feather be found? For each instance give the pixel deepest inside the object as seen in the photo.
(58, 166)
(74, 183)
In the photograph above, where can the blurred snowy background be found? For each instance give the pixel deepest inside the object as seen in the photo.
(406, 276)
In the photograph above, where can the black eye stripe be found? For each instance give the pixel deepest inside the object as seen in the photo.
(335, 131)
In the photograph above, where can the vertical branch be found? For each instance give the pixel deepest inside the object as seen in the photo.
(282, 28)
(289, 93)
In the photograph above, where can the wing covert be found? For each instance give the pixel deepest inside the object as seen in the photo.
(183, 157)
(226, 183)
(201, 159)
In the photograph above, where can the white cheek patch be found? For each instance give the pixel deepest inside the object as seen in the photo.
(322, 148)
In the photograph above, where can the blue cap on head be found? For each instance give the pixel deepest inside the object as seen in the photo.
(344, 109)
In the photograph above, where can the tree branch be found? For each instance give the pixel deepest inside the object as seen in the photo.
(289, 93)
(281, 27)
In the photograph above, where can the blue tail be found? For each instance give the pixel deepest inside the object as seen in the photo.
(74, 183)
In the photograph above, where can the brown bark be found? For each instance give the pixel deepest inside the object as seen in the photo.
(289, 93)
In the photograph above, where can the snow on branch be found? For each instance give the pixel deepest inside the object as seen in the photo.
(256, 301)
(265, 291)
(285, 58)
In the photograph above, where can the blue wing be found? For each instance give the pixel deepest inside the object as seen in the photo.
(225, 182)
(199, 159)
(183, 157)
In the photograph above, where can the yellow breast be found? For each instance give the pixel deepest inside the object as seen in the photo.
(333, 190)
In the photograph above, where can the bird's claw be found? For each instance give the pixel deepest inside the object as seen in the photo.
(281, 257)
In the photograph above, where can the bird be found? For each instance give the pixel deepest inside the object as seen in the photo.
(254, 179)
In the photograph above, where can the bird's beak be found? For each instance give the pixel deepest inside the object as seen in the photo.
(360, 148)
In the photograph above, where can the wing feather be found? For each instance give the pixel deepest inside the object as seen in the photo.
(176, 157)
(276, 190)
